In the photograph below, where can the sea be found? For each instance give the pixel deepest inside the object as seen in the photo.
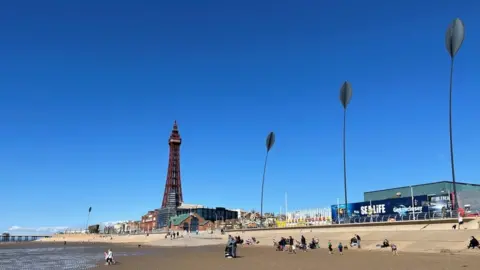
(43, 257)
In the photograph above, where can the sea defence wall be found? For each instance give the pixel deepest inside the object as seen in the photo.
(411, 236)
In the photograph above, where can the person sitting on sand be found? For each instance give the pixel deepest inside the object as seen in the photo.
(109, 257)
(313, 244)
(239, 240)
(358, 240)
(385, 244)
(353, 242)
(473, 243)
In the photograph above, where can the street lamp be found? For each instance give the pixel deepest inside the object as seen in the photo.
(453, 41)
(269, 143)
(345, 97)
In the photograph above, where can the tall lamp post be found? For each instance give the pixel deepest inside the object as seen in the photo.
(88, 217)
(345, 97)
(453, 41)
(269, 143)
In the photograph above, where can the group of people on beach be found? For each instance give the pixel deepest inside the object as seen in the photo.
(290, 245)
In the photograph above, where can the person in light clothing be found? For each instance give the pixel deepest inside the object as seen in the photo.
(109, 257)
(460, 220)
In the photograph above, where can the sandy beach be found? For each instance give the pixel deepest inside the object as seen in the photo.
(260, 257)
(129, 256)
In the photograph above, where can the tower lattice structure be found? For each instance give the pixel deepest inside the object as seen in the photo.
(172, 196)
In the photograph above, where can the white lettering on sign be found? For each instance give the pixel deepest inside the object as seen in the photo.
(404, 209)
(372, 209)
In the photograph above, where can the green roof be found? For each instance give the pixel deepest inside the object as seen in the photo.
(176, 220)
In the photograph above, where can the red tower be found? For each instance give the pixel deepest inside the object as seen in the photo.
(172, 196)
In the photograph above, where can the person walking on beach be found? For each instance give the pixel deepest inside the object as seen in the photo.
(330, 247)
(340, 248)
(109, 257)
(394, 249)
(460, 220)
(292, 245)
(234, 247)
(304, 243)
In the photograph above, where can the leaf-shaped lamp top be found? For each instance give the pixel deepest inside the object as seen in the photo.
(270, 141)
(454, 36)
(345, 94)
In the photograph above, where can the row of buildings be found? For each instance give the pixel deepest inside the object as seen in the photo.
(191, 217)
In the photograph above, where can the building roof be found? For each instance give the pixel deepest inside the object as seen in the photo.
(190, 206)
(425, 184)
(176, 220)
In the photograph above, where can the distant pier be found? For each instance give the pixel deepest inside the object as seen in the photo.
(21, 238)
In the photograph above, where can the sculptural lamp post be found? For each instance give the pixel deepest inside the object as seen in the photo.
(269, 143)
(345, 97)
(453, 41)
(88, 218)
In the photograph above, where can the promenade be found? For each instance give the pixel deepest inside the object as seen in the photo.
(429, 237)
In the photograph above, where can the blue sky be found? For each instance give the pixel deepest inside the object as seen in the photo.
(89, 91)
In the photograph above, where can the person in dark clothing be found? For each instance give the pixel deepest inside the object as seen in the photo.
(291, 243)
(340, 248)
(281, 244)
(303, 241)
(473, 243)
(239, 240)
(313, 244)
(353, 241)
(358, 240)
(385, 244)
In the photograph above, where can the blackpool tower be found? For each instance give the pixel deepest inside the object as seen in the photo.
(172, 196)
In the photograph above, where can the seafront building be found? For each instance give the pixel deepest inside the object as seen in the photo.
(433, 188)
(423, 201)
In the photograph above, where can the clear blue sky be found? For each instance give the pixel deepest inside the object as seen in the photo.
(89, 91)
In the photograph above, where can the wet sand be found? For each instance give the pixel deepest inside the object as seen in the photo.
(211, 257)
(261, 257)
